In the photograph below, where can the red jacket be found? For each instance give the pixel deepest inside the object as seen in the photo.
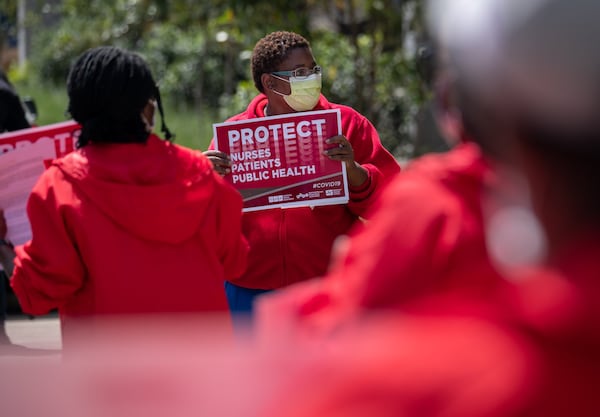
(532, 350)
(292, 245)
(130, 228)
(426, 235)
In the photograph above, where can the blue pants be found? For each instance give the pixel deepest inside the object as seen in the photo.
(241, 305)
(240, 299)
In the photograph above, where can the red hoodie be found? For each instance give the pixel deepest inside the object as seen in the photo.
(532, 350)
(426, 235)
(292, 245)
(130, 228)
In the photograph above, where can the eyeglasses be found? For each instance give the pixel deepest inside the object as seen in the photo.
(299, 72)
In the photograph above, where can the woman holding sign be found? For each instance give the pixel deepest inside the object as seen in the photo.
(294, 244)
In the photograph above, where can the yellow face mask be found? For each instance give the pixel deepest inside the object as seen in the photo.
(305, 92)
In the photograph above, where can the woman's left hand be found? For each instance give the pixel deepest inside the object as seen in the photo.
(340, 149)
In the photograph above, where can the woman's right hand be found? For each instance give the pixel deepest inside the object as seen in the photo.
(220, 161)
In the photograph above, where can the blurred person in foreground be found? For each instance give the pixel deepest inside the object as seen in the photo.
(128, 224)
(528, 75)
(294, 244)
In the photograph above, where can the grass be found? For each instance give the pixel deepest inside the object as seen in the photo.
(191, 127)
(51, 101)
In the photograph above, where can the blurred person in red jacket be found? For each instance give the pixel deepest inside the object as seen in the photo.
(527, 76)
(294, 244)
(128, 223)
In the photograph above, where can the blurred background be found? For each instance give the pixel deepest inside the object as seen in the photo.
(373, 54)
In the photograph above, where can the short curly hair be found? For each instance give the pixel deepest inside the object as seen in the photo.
(271, 51)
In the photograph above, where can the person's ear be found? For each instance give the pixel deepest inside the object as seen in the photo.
(267, 81)
(148, 115)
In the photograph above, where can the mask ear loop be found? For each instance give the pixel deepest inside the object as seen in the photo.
(273, 89)
(163, 126)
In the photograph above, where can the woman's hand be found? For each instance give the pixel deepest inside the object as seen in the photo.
(341, 150)
(220, 161)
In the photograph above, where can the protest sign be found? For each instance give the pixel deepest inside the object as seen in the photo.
(24, 154)
(278, 161)
(64, 135)
(19, 171)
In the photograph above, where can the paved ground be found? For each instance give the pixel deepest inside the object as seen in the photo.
(37, 333)
(38, 337)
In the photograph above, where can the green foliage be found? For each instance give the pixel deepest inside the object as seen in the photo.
(8, 20)
(236, 103)
(367, 67)
(199, 52)
(50, 100)
(85, 24)
(192, 127)
(189, 65)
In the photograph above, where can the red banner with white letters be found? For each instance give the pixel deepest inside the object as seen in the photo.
(64, 135)
(278, 161)
(24, 155)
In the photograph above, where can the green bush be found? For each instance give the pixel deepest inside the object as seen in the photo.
(199, 53)
(51, 100)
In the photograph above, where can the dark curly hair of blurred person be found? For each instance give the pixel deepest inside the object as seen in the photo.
(271, 51)
(108, 87)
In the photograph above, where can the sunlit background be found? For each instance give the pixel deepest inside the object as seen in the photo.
(200, 51)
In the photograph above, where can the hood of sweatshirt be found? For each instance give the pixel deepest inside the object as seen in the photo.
(157, 191)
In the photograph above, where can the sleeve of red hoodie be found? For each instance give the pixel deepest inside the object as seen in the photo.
(232, 246)
(48, 269)
(380, 164)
